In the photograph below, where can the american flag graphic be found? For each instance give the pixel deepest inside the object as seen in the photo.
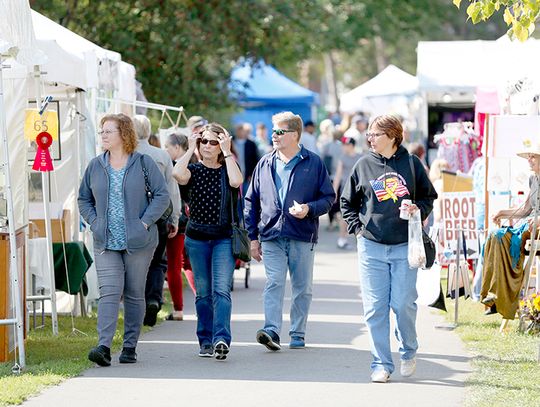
(389, 188)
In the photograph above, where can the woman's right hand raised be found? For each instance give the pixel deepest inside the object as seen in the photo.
(192, 141)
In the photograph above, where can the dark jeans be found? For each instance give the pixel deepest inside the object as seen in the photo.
(157, 269)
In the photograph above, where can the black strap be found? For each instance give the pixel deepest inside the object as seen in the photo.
(413, 177)
(234, 199)
(149, 194)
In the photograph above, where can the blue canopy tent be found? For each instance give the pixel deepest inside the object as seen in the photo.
(262, 91)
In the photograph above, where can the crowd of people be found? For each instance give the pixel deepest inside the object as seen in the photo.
(286, 178)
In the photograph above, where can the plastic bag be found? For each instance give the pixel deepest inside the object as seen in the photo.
(417, 253)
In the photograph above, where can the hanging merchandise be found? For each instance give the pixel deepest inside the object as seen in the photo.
(458, 145)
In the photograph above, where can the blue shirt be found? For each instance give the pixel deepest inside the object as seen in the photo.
(282, 174)
(116, 238)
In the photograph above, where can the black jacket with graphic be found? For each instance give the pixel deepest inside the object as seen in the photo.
(373, 193)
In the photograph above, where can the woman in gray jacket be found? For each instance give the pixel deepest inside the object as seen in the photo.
(114, 201)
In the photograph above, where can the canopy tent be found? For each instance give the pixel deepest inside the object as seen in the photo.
(262, 91)
(457, 68)
(389, 91)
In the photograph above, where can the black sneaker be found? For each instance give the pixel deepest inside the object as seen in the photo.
(206, 351)
(150, 316)
(221, 350)
(100, 355)
(128, 355)
(269, 339)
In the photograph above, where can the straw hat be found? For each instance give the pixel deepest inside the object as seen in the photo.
(529, 148)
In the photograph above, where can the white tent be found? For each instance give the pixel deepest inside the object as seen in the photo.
(457, 68)
(389, 91)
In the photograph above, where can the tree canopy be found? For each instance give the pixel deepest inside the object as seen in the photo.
(184, 50)
(519, 15)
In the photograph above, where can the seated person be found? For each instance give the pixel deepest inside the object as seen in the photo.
(503, 253)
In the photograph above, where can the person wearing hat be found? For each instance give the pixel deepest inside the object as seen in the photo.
(503, 270)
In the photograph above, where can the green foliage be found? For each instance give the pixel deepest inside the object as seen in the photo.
(520, 15)
(505, 365)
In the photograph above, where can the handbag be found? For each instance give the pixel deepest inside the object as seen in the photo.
(149, 195)
(429, 246)
(241, 244)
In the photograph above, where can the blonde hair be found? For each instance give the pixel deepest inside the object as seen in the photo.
(436, 169)
(125, 128)
(293, 121)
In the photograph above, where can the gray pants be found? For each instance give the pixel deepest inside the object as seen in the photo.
(121, 274)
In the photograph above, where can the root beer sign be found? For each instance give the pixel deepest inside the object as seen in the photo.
(458, 213)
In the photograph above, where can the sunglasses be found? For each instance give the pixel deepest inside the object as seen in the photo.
(206, 141)
(281, 132)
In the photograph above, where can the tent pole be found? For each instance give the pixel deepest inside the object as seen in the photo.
(13, 264)
(46, 198)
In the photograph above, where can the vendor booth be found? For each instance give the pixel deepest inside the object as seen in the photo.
(262, 91)
(391, 91)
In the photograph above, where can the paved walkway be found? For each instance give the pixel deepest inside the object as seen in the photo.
(332, 371)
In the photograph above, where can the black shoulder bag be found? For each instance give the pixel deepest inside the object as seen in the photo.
(429, 246)
(149, 195)
(241, 245)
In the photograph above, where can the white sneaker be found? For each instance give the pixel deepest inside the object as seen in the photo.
(408, 367)
(380, 376)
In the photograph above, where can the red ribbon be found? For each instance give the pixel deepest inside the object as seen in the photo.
(43, 161)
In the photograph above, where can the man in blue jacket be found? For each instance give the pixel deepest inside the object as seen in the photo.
(289, 190)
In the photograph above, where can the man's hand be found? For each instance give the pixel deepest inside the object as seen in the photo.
(256, 250)
(172, 229)
(300, 214)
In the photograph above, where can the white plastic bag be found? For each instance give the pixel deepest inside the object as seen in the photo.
(417, 253)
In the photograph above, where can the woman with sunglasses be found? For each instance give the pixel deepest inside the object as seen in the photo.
(210, 183)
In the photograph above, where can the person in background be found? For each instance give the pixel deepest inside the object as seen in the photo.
(309, 138)
(357, 131)
(326, 129)
(153, 140)
(113, 201)
(290, 189)
(331, 154)
(261, 139)
(177, 145)
(370, 203)
(166, 230)
(348, 159)
(436, 177)
(247, 153)
(419, 150)
(211, 183)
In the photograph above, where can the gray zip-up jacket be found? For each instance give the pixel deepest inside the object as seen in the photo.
(94, 200)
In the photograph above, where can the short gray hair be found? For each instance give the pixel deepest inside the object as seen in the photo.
(294, 121)
(142, 126)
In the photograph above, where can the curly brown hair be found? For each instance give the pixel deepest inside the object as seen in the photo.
(126, 129)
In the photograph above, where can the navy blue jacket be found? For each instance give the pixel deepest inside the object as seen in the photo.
(309, 183)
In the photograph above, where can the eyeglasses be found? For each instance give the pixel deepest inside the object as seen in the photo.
(368, 135)
(281, 132)
(107, 132)
(206, 141)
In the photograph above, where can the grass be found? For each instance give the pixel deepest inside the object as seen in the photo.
(506, 371)
(51, 360)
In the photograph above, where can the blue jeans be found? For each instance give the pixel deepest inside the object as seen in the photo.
(280, 255)
(388, 283)
(121, 274)
(213, 267)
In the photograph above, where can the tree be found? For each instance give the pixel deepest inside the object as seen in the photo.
(521, 15)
